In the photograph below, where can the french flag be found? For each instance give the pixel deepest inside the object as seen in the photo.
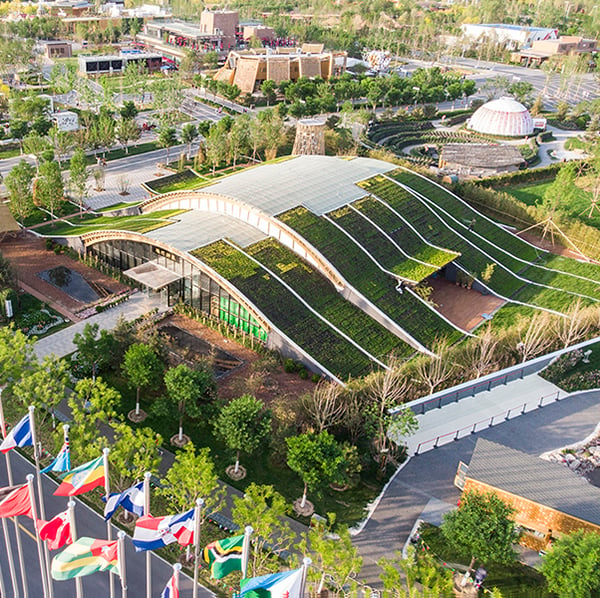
(155, 532)
(19, 436)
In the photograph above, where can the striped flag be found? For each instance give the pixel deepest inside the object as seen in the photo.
(19, 436)
(85, 556)
(62, 462)
(155, 532)
(82, 479)
(224, 556)
(132, 500)
(287, 584)
(172, 588)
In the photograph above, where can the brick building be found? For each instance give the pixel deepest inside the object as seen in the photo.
(549, 498)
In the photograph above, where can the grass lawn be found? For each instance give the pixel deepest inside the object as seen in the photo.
(91, 223)
(133, 150)
(514, 581)
(66, 209)
(121, 205)
(266, 466)
(571, 373)
(9, 151)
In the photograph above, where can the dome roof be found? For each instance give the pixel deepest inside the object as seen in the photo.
(504, 117)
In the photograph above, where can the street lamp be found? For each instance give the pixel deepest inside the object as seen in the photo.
(417, 89)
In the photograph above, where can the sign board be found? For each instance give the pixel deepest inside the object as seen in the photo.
(66, 120)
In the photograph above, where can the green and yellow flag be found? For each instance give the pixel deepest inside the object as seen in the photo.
(224, 556)
(85, 556)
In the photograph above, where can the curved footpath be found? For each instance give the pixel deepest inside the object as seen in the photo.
(424, 486)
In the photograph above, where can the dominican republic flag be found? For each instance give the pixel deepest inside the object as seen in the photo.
(171, 589)
(62, 462)
(155, 532)
(132, 500)
(19, 436)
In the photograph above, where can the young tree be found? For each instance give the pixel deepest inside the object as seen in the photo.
(132, 453)
(105, 131)
(127, 130)
(16, 355)
(482, 527)
(189, 132)
(129, 110)
(217, 146)
(35, 145)
(243, 425)
(143, 369)
(18, 129)
(94, 349)
(185, 388)
(264, 509)
(571, 565)
(78, 178)
(61, 141)
(317, 458)
(49, 190)
(167, 138)
(192, 476)
(268, 88)
(19, 182)
(325, 407)
(238, 137)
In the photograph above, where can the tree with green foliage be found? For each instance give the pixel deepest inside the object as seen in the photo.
(35, 145)
(127, 130)
(167, 138)
(129, 110)
(49, 189)
(239, 137)
(78, 177)
(43, 385)
(132, 453)
(189, 132)
(217, 146)
(521, 91)
(317, 458)
(482, 527)
(94, 349)
(92, 403)
(243, 425)
(571, 565)
(8, 274)
(264, 509)
(269, 89)
(335, 560)
(61, 141)
(19, 182)
(16, 355)
(143, 369)
(17, 130)
(186, 388)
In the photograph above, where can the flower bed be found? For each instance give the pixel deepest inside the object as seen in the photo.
(286, 312)
(422, 322)
(36, 323)
(316, 290)
(104, 304)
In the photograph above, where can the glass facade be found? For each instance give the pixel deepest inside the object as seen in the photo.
(194, 288)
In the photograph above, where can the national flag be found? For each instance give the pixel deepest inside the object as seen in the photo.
(82, 479)
(85, 556)
(132, 500)
(171, 589)
(278, 585)
(56, 532)
(156, 532)
(15, 500)
(224, 556)
(19, 436)
(62, 462)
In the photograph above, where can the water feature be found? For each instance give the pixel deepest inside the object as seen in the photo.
(70, 282)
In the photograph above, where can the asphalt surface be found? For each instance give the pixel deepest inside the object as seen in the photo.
(89, 524)
(430, 476)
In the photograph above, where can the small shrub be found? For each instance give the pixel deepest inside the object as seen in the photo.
(49, 244)
(303, 373)
(290, 366)
(315, 378)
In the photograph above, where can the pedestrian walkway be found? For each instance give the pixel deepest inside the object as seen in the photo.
(61, 342)
(483, 410)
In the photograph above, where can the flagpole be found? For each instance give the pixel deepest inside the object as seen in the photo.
(306, 562)
(71, 506)
(36, 455)
(147, 477)
(199, 503)
(121, 560)
(37, 534)
(14, 519)
(246, 550)
(108, 526)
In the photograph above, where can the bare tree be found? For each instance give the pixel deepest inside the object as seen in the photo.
(479, 357)
(434, 371)
(574, 327)
(535, 338)
(325, 406)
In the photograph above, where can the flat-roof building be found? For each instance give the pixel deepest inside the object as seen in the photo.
(109, 65)
(565, 45)
(510, 36)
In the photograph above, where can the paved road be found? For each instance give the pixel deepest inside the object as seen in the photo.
(88, 524)
(429, 477)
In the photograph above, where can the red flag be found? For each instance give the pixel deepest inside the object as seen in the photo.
(57, 531)
(15, 502)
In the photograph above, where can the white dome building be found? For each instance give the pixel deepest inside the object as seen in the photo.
(504, 117)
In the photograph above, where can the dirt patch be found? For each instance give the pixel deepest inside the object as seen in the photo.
(247, 377)
(547, 245)
(463, 307)
(30, 256)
